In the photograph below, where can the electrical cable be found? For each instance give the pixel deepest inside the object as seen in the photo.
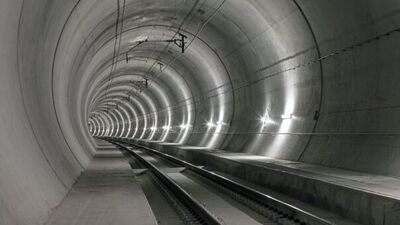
(202, 96)
(173, 37)
(117, 42)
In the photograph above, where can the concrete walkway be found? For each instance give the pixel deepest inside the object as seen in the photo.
(106, 194)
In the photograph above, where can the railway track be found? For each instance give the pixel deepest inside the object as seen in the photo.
(193, 211)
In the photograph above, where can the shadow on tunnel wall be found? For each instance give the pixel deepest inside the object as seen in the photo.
(311, 81)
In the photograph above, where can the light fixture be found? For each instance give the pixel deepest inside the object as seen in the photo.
(264, 120)
(140, 39)
(287, 116)
(220, 123)
(210, 124)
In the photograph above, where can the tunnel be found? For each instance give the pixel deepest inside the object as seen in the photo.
(292, 102)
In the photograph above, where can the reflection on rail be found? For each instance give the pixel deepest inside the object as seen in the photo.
(272, 208)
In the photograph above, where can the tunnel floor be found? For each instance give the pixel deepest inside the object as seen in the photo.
(118, 189)
(107, 193)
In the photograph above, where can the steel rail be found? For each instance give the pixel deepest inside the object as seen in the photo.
(286, 210)
(206, 216)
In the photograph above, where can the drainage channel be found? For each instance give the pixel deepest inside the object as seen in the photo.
(273, 210)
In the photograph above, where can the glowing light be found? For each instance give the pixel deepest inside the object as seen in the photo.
(166, 127)
(183, 126)
(139, 39)
(153, 128)
(211, 124)
(264, 120)
(287, 116)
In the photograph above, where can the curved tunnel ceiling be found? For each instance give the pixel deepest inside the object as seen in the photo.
(256, 76)
(311, 81)
(213, 95)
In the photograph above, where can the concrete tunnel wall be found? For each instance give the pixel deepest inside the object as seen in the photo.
(251, 80)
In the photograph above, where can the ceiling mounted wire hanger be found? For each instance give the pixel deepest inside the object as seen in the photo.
(117, 42)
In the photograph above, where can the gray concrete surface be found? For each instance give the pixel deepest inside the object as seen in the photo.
(225, 212)
(361, 197)
(280, 60)
(106, 193)
(162, 209)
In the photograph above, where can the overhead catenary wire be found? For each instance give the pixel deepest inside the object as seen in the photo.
(156, 61)
(117, 42)
(197, 34)
(173, 40)
(114, 50)
(173, 37)
(202, 97)
(190, 43)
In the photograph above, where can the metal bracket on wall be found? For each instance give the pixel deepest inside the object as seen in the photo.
(180, 42)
